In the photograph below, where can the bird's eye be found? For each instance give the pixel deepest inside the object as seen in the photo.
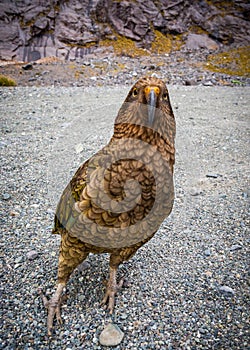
(135, 92)
(165, 95)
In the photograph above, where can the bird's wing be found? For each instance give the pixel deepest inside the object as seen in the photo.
(65, 214)
(109, 201)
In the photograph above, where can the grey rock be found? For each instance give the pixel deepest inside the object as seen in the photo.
(202, 330)
(19, 260)
(32, 254)
(207, 252)
(214, 176)
(195, 192)
(200, 41)
(190, 82)
(207, 83)
(41, 23)
(83, 266)
(235, 247)
(245, 195)
(27, 66)
(111, 335)
(10, 39)
(6, 196)
(81, 297)
(226, 289)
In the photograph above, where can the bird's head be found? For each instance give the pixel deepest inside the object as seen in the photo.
(147, 104)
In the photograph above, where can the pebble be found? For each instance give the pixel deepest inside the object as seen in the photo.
(19, 260)
(6, 196)
(195, 192)
(27, 66)
(79, 148)
(245, 195)
(32, 254)
(14, 213)
(81, 297)
(83, 266)
(226, 289)
(190, 82)
(235, 247)
(214, 176)
(207, 252)
(209, 273)
(111, 335)
(207, 83)
(3, 144)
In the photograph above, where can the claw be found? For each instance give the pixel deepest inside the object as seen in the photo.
(110, 298)
(58, 314)
(44, 299)
(111, 290)
(54, 307)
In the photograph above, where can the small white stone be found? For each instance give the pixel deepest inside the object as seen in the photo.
(78, 148)
(111, 335)
(195, 191)
(226, 289)
(32, 254)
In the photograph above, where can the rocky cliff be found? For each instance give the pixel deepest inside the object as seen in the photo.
(33, 29)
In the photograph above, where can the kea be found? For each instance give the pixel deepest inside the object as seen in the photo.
(117, 199)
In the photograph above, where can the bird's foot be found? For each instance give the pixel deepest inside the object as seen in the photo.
(54, 307)
(109, 297)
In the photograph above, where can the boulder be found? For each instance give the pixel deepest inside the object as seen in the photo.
(200, 41)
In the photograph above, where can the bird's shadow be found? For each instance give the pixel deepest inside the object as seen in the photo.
(88, 282)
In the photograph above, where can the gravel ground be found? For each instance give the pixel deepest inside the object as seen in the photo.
(177, 68)
(187, 288)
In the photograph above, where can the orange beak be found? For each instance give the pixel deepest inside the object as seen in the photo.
(151, 93)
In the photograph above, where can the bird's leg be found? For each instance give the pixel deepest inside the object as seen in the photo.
(72, 253)
(54, 307)
(112, 285)
(111, 289)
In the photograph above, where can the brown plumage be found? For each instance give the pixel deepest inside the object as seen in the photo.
(117, 199)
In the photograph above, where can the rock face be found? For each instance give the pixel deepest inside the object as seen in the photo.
(33, 29)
